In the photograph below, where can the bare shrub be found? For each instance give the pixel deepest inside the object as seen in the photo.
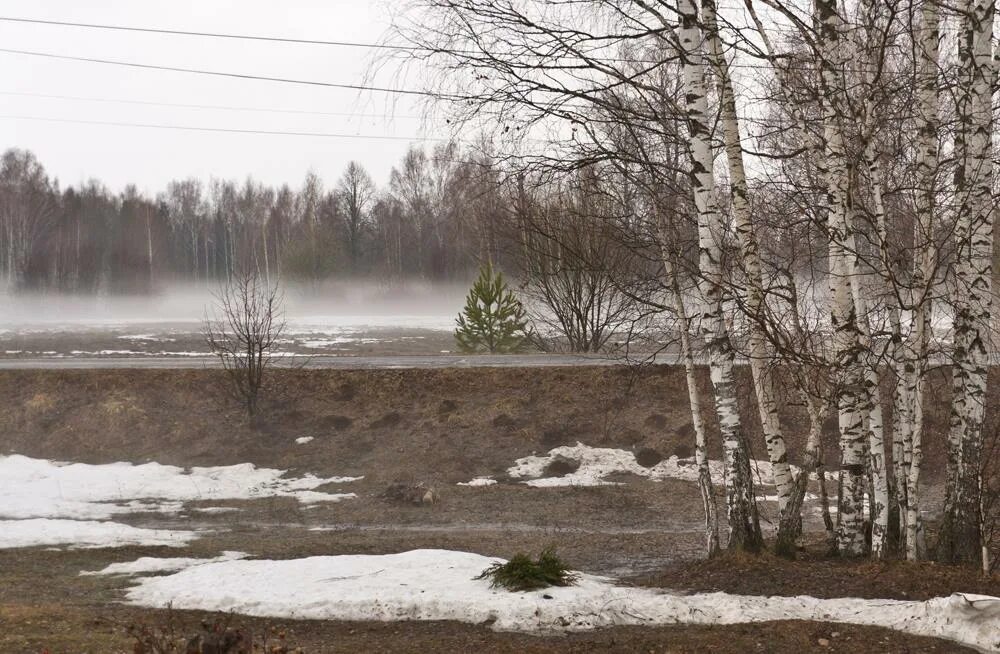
(244, 332)
(218, 636)
(406, 493)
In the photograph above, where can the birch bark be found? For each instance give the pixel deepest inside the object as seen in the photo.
(695, 402)
(760, 368)
(916, 350)
(973, 271)
(843, 317)
(744, 527)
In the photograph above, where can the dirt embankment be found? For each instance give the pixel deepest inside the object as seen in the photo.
(451, 424)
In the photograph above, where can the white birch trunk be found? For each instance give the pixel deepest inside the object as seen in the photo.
(833, 164)
(744, 528)
(871, 406)
(912, 356)
(750, 252)
(695, 402)
(973, 269)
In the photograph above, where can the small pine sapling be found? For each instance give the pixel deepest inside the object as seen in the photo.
(493, 319)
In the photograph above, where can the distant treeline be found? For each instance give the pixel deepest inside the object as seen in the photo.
(438, 217)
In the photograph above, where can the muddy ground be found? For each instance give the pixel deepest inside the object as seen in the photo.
(439, 427)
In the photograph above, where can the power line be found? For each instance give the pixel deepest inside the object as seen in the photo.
(182, 105)
(226, 130)
(278, 39)
(354, 87)
(251, 37)
(197, 71)
(215, 35)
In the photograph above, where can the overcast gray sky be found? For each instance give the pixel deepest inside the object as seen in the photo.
(151, 157)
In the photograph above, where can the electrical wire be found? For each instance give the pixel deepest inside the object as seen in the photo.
(226, 130)
(182, 105)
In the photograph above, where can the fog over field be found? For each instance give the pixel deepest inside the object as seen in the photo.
(338, 302)
(333, 318)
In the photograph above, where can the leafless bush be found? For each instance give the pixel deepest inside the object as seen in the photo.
(218, 636)
(244, 331)
(574, 267)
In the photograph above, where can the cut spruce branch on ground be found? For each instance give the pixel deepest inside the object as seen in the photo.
(522, 573)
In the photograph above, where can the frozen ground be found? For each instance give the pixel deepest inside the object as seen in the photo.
(441, 585)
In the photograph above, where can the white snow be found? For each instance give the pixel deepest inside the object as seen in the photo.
(151, 564)
(597, 463)
(39, 488)
(85, 534)
(440, 585)
(147, 337)
(302, 440)
(479, 481)
(50, 502)
(338, 340)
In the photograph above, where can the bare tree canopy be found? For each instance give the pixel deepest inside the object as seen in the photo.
(244, 333)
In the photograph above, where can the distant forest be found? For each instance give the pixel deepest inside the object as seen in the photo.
(439, 216)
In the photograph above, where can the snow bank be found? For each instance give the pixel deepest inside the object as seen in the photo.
(597, 463)
(439, 585)
(38, 488)
(85, 534)
(150, 564)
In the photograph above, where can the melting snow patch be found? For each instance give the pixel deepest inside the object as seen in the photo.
(147, 337)
(339, 340)
(73, 495)
(38, 488)
(150, 564)
(85, 534)
(596, 463)
(479, 481)
(440, 585)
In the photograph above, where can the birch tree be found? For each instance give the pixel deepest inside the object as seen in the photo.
(911, 357)
(744, 528)
(760, 363)
(972, 295)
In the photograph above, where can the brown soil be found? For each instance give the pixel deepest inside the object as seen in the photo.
(820, 576)
(436, 427)
(446, 424)
(59, 629)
